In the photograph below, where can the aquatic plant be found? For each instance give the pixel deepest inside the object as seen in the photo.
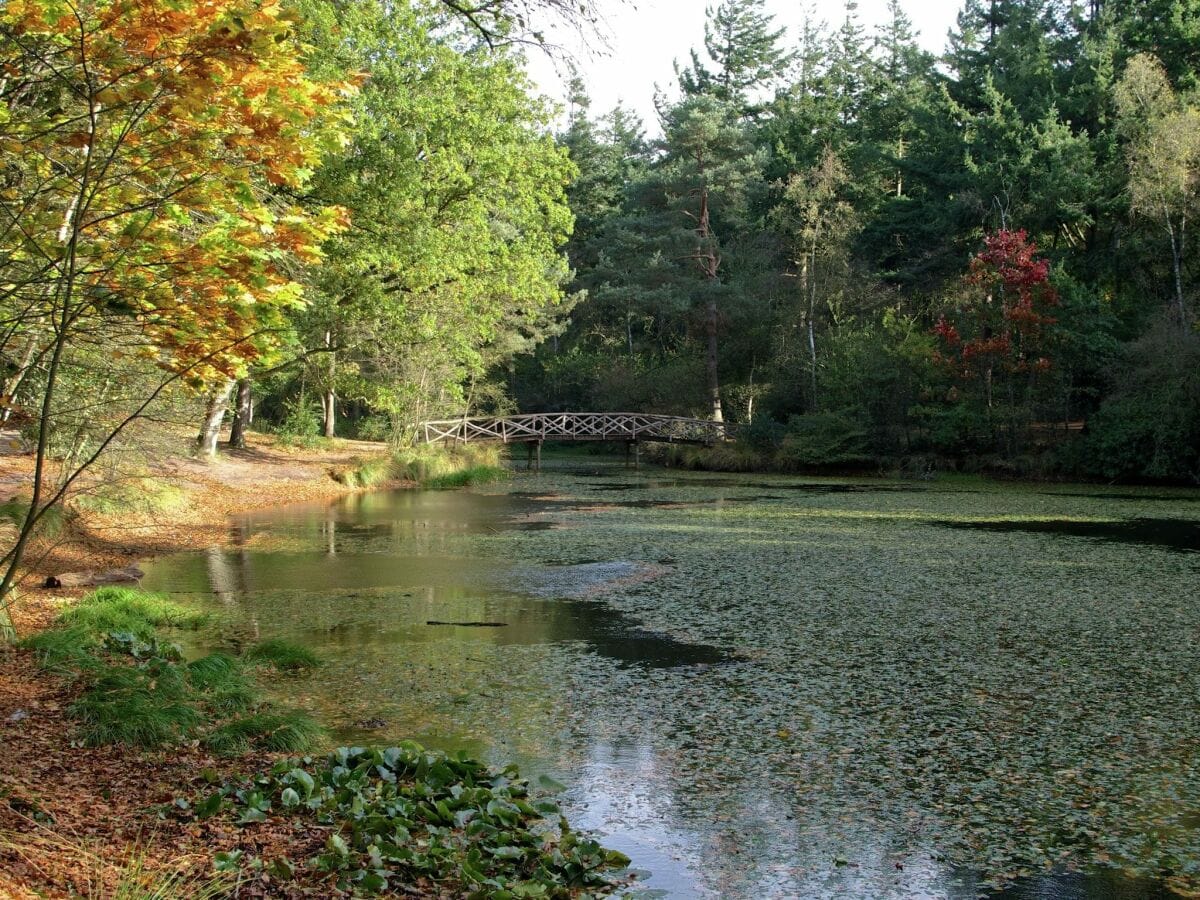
(415, 819)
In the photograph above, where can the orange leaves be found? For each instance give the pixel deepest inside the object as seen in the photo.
(199, 107)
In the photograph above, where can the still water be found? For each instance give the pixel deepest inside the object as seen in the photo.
(768, 686)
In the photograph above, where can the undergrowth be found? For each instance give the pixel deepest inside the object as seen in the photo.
(438, 466)
(139, 691)
(123, 609)
(133, 875)
(148, 495)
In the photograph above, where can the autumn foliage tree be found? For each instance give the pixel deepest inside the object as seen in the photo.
(147, 150)
(999, 336)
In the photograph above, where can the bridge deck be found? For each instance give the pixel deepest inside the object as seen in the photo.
(575, 426)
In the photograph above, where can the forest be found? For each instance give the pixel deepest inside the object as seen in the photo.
(248, 247)
(348, 218)
(857, 251)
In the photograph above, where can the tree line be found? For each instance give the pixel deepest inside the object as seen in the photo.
(859, 251)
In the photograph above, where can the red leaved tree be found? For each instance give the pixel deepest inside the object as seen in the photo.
(999, 337)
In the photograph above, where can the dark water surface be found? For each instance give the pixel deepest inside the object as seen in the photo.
(769, 687)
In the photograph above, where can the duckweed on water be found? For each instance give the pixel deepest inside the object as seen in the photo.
(908, 698)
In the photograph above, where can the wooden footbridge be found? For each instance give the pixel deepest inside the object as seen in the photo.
(535, 428)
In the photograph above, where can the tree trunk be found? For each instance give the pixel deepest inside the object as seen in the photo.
(214, 413)
(1177, 267)
(710, 359)
(242, 413)
(709, 261)
(330, 402)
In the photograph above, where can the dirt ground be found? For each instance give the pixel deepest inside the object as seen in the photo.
(71, 818)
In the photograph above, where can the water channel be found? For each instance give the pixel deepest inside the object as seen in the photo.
(762, 686)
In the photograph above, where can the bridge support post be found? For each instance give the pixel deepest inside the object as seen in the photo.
(533, 451)
(633, 451)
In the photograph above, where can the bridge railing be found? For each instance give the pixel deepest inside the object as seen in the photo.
(584, 426)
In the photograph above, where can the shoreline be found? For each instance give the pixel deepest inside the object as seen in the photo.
(74, 819)
(200, 498)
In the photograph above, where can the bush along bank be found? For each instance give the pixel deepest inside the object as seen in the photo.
(429, 466)
(359, 820)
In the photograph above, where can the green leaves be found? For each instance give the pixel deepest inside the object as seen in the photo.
(405, 813)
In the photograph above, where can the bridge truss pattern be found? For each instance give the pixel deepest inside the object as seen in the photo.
(575, 426)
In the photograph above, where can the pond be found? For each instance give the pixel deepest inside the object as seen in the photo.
(768, 686)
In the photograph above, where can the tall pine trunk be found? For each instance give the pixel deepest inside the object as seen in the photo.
(709, 261)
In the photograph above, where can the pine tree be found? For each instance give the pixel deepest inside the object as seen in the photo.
(744, 52)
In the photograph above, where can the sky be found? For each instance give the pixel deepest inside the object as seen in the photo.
(644, 42)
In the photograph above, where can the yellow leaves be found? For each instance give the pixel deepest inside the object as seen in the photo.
(202, 101)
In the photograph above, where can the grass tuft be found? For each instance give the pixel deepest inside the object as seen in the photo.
(138, 707)
(222, 680)
(276, 730)
(465, 477)
(283, 655)
(366, 475)
(127, 610)
(62, 650)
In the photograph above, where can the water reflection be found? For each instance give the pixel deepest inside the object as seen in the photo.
(766, 688)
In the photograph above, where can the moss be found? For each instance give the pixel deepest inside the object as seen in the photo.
(283, 655)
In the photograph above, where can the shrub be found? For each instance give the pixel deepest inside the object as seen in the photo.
(823, 439)
(301, 424)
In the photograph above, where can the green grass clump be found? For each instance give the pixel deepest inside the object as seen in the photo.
(425, 463)
(222, 680)
(141, 707)
(62, 650)
(366, 475)
(283, 655)
(465, 477)
(138, 690)
(125, 609)
(278, 730)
